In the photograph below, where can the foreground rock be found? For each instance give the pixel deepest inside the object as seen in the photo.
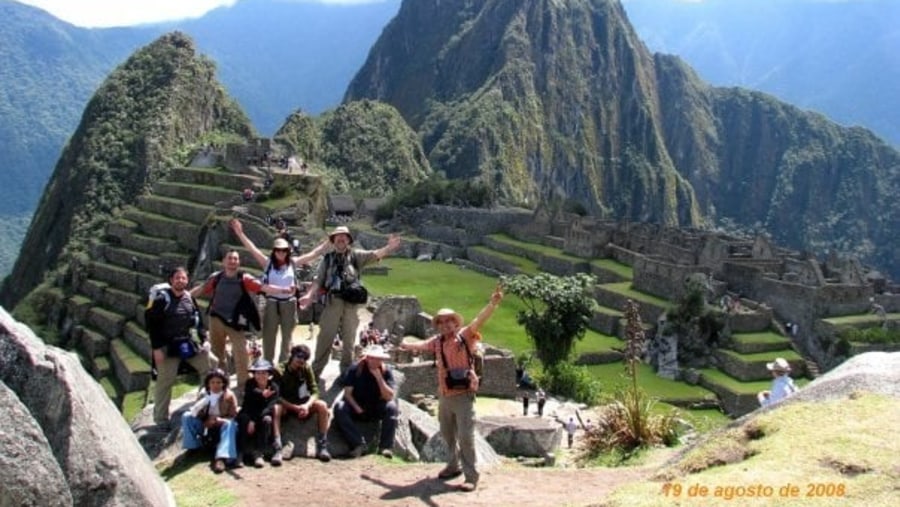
(94, 449)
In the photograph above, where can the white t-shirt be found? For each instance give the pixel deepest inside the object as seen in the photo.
(283, 277)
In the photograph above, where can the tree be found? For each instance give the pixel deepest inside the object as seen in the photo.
(558, 311)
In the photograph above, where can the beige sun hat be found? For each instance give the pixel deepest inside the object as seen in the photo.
(376, 352)
(281, 244)
(779, 364)
(340, 230)
(446, 312)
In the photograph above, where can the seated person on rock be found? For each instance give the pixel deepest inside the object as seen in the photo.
(782, 383)
(212, 420)
(369, 390)
(260, 409)
(300, 397)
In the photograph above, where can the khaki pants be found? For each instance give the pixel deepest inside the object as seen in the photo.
(167, 373)
(218, 333)
(281, 314)
(338, 315)
(456, 416)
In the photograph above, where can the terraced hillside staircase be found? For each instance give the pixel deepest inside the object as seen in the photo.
(160, 231)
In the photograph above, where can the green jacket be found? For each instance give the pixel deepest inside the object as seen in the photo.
(298, 386)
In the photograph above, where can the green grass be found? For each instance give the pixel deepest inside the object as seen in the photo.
(757, 357)
(597, 342)
(132, 404)
(763, 337)
(703, 420)
(526, 266)
(438, 285)
(193, 485)
(613, 375)
(535, 247)
(624, 288)
(866, 318)
(133, 362)
(623, 270)
(734, 385)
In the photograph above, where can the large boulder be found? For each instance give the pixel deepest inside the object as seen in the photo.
(875, 372)
(101, 459)
(23, 447)
(521, 436)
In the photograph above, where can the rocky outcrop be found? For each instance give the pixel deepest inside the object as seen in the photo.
(66, 415)
(874, 372)
(521, 436)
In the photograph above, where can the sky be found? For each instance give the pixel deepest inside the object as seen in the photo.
(106, 13)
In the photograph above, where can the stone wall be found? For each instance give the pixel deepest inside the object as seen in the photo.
(463, 226)
(663, 279)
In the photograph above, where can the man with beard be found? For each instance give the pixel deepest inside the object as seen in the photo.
(171, 315)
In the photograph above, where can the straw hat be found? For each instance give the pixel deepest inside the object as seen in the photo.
(446, 312)
(340, 230)
(780, 364)
(281, 244)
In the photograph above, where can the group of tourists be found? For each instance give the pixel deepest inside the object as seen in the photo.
(245, 425)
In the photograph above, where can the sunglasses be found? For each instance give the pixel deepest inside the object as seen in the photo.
(282, 250)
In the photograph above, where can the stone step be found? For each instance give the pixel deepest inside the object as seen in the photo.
(77, 307)
(125, 303)
(99, 366)
(752, 367)
(178, 209)
(736, 399)
(131, 370)
(106, 322)
(150, 224)
(752, 343)
(91, 288)
(119, 229)
(91, 342)
(615, 296)
(213, 178)
(152, 245)
(152, 264)
(606, 321)
(137, 338)
(212, 196)
(121, 278)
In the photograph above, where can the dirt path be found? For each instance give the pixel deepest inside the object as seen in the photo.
(374, 480)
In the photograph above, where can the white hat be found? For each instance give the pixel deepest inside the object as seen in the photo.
(376, 352)
(779, 364)
(446, 312)
(341, 229)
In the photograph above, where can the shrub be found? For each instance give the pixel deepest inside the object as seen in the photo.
(570, 381)
(628, 424)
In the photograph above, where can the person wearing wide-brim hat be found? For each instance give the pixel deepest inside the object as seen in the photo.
(338, 283)
(279, 285)
(454, 348)
(255, 420)
(369, 389)
(782, 384)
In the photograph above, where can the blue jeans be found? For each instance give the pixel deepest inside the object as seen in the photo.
(192, 432)
(387, 412)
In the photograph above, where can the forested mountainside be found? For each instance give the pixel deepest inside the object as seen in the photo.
(561, 100)
(834, 57)
(162, 98)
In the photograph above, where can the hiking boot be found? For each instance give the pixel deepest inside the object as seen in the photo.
(467, 487)
(449, 473)
(287, 452)
(387, 453)
(218, 466)
(322, 451)
(259, 462)
(358, 450)
(276, 458)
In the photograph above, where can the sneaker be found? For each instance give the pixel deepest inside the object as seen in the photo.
(358, 451)
(322, 451)
(287, 452)
(387, 453)
(276, 458)
(259, 462)
(218, 466)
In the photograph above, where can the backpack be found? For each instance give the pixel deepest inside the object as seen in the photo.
(354, 292)
(246, 315)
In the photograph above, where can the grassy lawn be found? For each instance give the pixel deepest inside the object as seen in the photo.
(438, 285)
(526, 266)
(763, 337)
(757, 357)
(613, 375)
(704, 420)
(597, 342)
(534, 247)
(624, 288)
(866, 318)
(623, 270)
